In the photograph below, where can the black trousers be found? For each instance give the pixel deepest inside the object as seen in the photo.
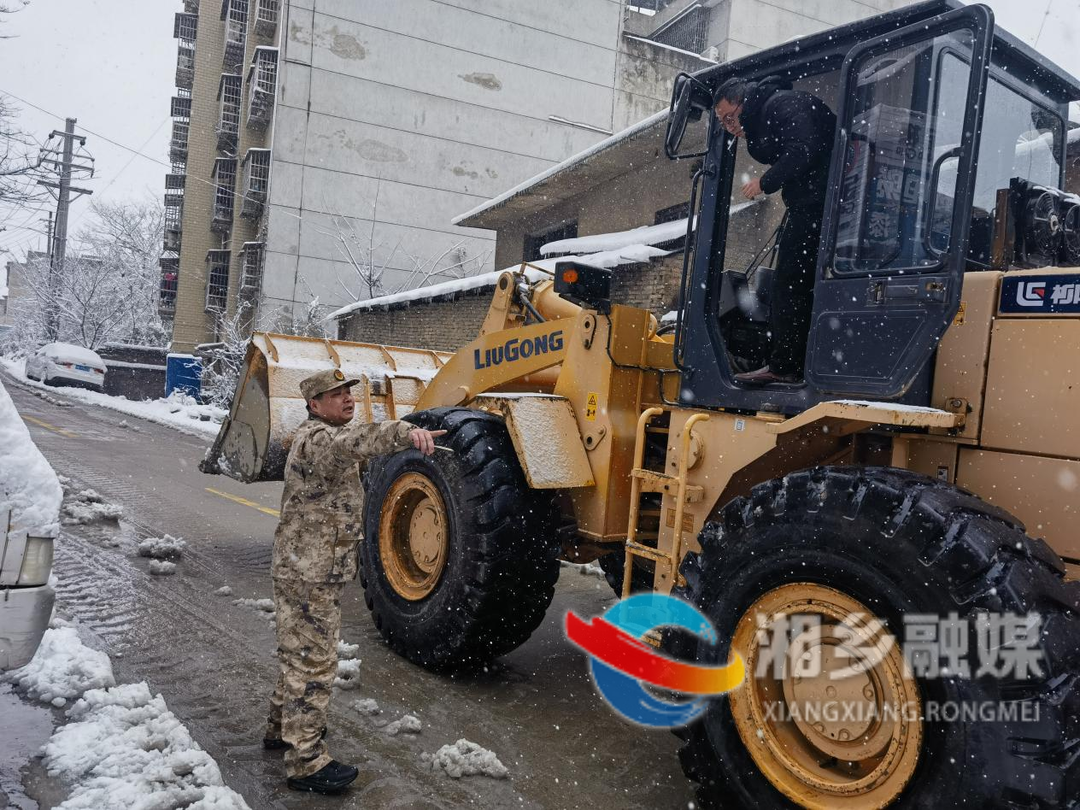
(792, 293)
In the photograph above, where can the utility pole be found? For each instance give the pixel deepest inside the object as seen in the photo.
(48, 234)
(65, 167)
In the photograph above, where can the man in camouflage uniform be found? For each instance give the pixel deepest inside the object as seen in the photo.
(315, 554)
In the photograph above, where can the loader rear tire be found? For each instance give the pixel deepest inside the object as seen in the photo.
(481, 590)
(902, 545)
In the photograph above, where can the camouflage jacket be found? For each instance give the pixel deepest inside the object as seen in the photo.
(323, 503)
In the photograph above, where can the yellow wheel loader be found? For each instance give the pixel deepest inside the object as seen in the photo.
(906, 516)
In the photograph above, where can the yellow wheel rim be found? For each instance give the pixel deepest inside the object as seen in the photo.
(834, 721)
(413, 536)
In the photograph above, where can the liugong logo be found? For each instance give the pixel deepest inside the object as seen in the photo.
(516, 348)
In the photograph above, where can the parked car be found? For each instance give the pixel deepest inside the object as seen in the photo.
(26, 598)
(66, 364)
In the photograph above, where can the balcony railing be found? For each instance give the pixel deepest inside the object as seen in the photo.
(191, 6)
(266, 17)
(217, 280)
(174, 214)
(185, 66)
(175, 182)
(235, 15)
(256, 182)
(178, 145)
(251, 264)
(181, 105)
(230, 92)
(185, 26)
(170, 280)
(224, 194)
(262, 80)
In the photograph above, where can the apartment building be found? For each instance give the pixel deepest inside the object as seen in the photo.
(321, 149)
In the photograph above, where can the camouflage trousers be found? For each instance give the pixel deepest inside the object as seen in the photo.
(308, 628)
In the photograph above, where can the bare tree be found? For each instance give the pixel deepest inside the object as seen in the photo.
(20, 159)
(224, 359)
(11, 8)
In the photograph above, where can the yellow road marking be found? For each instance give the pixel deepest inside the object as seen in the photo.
(236, 498)
(67, 434)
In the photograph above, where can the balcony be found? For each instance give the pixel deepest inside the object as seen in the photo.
(185, 29)
(262, 82)
(175, 182)
(256, 183)
(178, 145)
(266, 17)
(224, 177)
(230, 91)
(251, 264)
(174, 214)
(170, 280)
(234, 13)
(181, 105)
(217, 280)
(191, 6)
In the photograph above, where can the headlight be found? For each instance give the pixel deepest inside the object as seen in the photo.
(37, 561)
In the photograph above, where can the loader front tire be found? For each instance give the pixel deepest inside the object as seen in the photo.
(901, 547)
(459, 560)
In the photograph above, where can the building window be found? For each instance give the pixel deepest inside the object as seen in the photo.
(230, 90)
(224, 184)
(688, 31)
(256, 182)
(568, 230)
(266, 17)
(170, 277)
(217, 280)
(263, 86)
(673, 213)
(251, 268)
(235, 15)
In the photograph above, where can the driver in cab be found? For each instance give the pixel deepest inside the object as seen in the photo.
(792, 132)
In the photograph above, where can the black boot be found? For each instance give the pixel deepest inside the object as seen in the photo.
(332, 778)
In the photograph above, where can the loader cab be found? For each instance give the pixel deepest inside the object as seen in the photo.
(943, 128)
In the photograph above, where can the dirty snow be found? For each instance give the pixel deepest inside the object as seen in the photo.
(178, 411)
(88, 506)
(122, 747)
(865, 403)
(224, 590)
(162, 568)
(345, 650)
(265, 605)
(27, 482)
(585, 569)
(348, 673)
(366, 706)
(465, 758)
(162, 548)
(406, 724)
(63, 668)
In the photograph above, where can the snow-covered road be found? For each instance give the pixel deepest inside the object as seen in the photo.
(211, 655)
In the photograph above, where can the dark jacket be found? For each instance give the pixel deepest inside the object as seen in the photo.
(793, 132)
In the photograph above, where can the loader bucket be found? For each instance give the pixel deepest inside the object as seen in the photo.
(267, 408)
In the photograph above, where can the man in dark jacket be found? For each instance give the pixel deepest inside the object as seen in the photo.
(792, 131)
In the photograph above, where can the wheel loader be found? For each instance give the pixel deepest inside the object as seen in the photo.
(924, 476)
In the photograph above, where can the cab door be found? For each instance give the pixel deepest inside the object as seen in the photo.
(895, 229)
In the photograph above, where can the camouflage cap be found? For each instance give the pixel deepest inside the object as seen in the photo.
(322, 382)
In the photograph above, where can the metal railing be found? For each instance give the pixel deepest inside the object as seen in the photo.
(230, 94)
(178, 144)
(256, 182)
(266, 17)
(235, 15)
(263, 83)
(217, 280)
(251, 268)
(224, 194)
(170, 281)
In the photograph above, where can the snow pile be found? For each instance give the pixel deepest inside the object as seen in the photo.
(27, 482)
(88, 506)
(465, 758)
(224, 590)
(347, 650)
(162, 568)
(63, 668)
(366, 706)
(348, 673)
(406, 724)
(177, 411)
(122, 747)
(162, 548)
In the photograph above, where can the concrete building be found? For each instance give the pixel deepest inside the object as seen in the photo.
(321, 148)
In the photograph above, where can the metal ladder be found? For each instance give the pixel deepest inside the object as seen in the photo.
(644, 480)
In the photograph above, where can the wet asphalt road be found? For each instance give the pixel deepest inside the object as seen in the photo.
(212, 660)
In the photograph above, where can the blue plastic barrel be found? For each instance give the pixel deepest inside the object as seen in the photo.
(183, 372)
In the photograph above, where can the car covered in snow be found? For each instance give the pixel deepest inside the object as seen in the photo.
(30, 497)
(66, 364)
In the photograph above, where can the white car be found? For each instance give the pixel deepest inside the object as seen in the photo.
(66, 364)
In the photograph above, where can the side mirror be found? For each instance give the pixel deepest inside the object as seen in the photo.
(689, 99)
